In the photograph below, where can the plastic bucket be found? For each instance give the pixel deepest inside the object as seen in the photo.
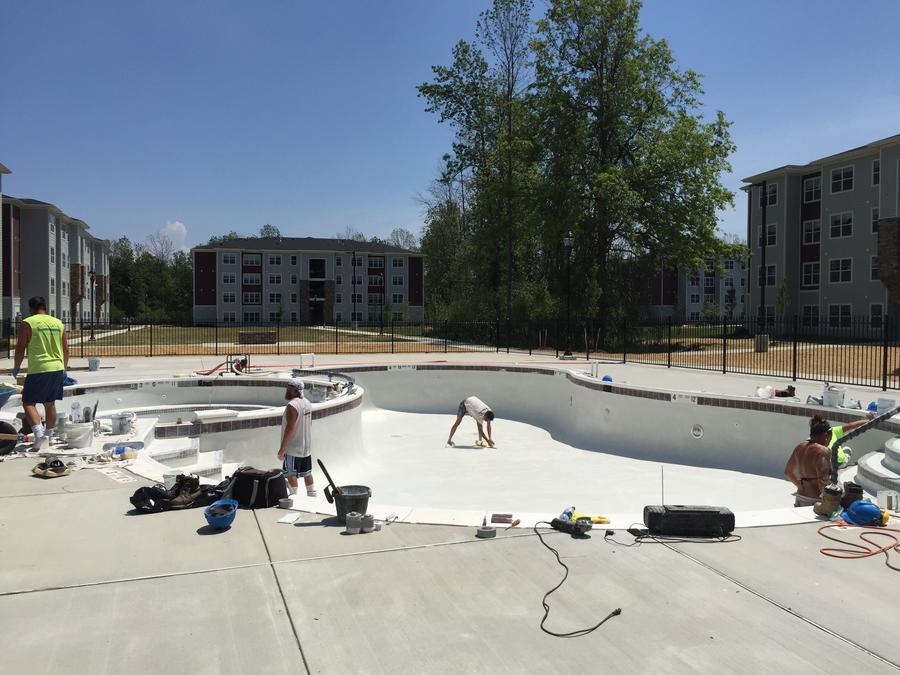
(833, 397)
(93, 363)
(352, 498)
(80, 435)
(885, 404)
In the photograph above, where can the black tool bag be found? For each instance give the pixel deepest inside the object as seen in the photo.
(151, 499)
(255, 488)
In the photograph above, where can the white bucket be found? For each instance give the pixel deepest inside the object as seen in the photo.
(885, 404)
(833, 397)
(93, 363)
(80, 435)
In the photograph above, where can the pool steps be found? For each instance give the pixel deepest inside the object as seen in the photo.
(880, 470)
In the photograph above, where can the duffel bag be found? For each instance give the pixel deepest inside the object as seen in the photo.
(150, 499)
(257, 488)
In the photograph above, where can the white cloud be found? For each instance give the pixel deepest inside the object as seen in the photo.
(176, 231)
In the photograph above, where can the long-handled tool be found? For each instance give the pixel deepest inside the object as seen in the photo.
(334, 488)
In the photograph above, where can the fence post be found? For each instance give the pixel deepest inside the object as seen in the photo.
(669, 341)
(884, 353)
(794, 354)
(151, 339)
(724, 344)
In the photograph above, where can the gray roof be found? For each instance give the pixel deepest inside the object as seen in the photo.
(3, 169)
(303, 244)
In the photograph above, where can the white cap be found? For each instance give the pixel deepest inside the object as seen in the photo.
(296, 383)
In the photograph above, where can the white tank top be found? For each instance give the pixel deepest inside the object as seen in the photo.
(300, 441)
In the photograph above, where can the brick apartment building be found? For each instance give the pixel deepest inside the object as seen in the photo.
(306, 280)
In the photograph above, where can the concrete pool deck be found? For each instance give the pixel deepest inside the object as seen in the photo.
(86, 588)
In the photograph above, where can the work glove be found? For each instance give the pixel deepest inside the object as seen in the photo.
(15, 372)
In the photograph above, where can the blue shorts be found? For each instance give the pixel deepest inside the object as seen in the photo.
(43, 387)
(297, 466)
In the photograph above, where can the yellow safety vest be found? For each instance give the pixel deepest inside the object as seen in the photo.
(45, 352)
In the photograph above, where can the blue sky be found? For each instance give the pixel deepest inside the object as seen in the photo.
(198, 117)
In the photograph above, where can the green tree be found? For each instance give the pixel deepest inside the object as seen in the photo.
(403, 238)
(269, 232)
(218, 240)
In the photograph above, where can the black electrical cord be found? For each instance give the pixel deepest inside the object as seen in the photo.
(574, 633)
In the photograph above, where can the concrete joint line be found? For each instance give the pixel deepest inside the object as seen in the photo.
(782, 607)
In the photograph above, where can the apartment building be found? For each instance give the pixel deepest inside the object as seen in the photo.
(814, 234)
(717, 290)
(46, 252)
(306, 280)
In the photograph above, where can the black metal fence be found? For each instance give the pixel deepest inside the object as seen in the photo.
(847, 350)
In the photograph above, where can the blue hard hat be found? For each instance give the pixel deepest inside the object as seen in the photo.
(221, 514)
(873, 406)
(863, 512)
(607, 378)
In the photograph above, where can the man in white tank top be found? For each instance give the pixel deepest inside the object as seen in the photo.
(481, 413)
(296, 438)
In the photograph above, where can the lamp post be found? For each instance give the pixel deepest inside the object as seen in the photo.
(93, 276)
(568, 242)
(353, 272)
(762, 338)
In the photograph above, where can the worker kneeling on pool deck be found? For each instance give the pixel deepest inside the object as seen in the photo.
(809, 467)
(296, 437)
(481, 413)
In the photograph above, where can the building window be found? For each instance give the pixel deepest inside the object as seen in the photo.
(766, 275)
(729, 264)
(873, 269)
(338, 280)
(876, 315)
(376, 281)
(275, 280)
(770, 198)
(875, 217)
(356, 316)
(338, 317)
(729, 283)
(293, 317)
(274, 298)
(293, 298)
(694, 316)
(293, 280)
(251, 298)
(274, 259)
(397, 298)
(52, 254)
(229, 278)
(376, 263)
(695, 299)
(252, 259)
(812, 189)
(357, 280)
(694, 280)
(709, 282)
(251, 317)
(396, 281)
(293, 260)
(376, 298)
(229, 259)
(876, 172)
(229, 297)
(397, 262)
(357, 261)
(338, 261)
(52, 286)
(810, 315)
(769, 236)
(65, 259)
(251, 279)
(841, 225)
(812, 231)
(841, 179)
(811, 274)
(274, 317)
(52, 225)
(839, 316)
(840, 270)
(397, 316)
(65, 289)
(356, 298)
(338, 298)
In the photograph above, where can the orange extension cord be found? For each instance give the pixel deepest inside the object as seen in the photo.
(861, 550)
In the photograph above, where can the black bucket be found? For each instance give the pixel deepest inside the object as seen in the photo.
(352, 498)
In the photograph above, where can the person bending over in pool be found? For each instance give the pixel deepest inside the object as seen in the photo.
(809, 467)
(481, 413)
(296, 442)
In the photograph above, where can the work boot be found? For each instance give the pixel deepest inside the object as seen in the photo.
(831, 502)
(188, 492)
(173, 491)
